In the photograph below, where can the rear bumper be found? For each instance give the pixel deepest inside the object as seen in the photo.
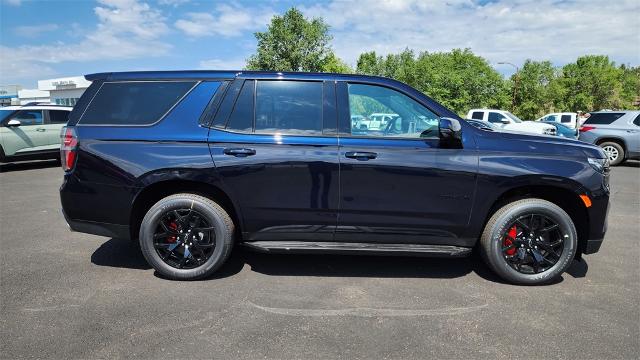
(98, 228)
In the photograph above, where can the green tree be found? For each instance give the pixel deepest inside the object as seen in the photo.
(593, 82)
(458, 79)
(536, 89)
(333, 64)
(294, 43)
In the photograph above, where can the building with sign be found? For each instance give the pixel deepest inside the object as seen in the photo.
(9, 94)
(26, 96)
(64, 91)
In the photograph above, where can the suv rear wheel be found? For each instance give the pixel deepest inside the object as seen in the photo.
(186, 236)
(614, 151)
(530, 242)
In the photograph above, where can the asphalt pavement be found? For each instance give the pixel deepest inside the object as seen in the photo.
(67, 295)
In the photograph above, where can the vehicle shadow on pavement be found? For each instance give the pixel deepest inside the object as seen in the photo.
(126, 254)
(630, 163)
(31, 165)
(120, 253)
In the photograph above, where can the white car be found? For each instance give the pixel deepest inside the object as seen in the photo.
(565, 118)
(508, 121)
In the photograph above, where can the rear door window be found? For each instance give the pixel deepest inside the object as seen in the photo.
(565, 119)
(637, 120)
(289, 107)
(134, 103)
(477, 115)
(603, 118)
(58, 116)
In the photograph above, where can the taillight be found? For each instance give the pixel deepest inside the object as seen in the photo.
(68, 148)
(586, 128)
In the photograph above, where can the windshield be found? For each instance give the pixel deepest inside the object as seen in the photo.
(513, 117)
(5, 114)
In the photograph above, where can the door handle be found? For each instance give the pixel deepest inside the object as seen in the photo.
(239, 152)
(361, 155)
(41, 129)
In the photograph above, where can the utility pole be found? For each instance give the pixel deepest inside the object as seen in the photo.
(515, 82)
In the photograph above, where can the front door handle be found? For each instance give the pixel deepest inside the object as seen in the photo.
(41, 129)
(239, 152)
(361, 155)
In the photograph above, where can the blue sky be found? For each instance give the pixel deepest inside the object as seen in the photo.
(45, 39)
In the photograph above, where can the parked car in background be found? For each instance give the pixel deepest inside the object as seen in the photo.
(482, 125)
(564, 130)
(31, 132)
(616, 132)
(273, 162)
(508, 121)
(569, 119)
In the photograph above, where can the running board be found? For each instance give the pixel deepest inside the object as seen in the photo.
(304, 247)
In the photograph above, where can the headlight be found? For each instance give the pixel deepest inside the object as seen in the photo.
(599, 165)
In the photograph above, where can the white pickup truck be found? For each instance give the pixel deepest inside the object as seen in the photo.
(508, 121)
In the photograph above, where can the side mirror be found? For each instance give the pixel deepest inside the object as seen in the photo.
(505, 121)
(14, 123)
(450, 132)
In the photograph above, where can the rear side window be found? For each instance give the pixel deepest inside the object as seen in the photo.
(603, 118)
(477, 115)
(637, 120)
(134, 103)
(289, 107)
(58, 116)
(565, 119)
(242, 115)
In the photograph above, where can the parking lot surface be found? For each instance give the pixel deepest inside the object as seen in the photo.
(71, 295)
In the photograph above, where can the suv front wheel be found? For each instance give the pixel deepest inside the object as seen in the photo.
(529, 242)
(186, 236)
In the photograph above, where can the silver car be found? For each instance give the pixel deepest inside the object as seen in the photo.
(616, 132)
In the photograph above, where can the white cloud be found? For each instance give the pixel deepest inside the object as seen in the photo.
(499, 30)
(126, 29)
(34, 30)
(13, 2)
(227, 20)
(174, 3)
(222, 64)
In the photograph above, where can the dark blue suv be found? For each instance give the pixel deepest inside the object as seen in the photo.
(193, 163)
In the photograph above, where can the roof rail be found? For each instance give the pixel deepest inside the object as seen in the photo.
(34, 103)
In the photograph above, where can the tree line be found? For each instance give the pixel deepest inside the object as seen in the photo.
(458, 79)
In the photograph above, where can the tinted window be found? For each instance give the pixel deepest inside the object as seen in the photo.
(29, 117)
(58, 116)
(380, 111)
(242, 115)
(134, 103)
(495, 118)
(289, 107)
(603, 118)
(565, 118)
(637, 120)
(477, 115)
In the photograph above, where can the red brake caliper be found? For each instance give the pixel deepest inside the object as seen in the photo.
(172, 226)
(508, 241)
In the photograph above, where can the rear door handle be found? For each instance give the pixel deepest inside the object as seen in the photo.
(239, 152)
(361, 155)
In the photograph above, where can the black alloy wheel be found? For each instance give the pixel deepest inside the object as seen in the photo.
(184, 239)
(532, 243)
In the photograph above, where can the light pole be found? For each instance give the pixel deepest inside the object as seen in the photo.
(515, 83)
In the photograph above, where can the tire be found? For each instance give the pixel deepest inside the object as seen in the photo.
(613, 149)
(206, 211)
(492, 242)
